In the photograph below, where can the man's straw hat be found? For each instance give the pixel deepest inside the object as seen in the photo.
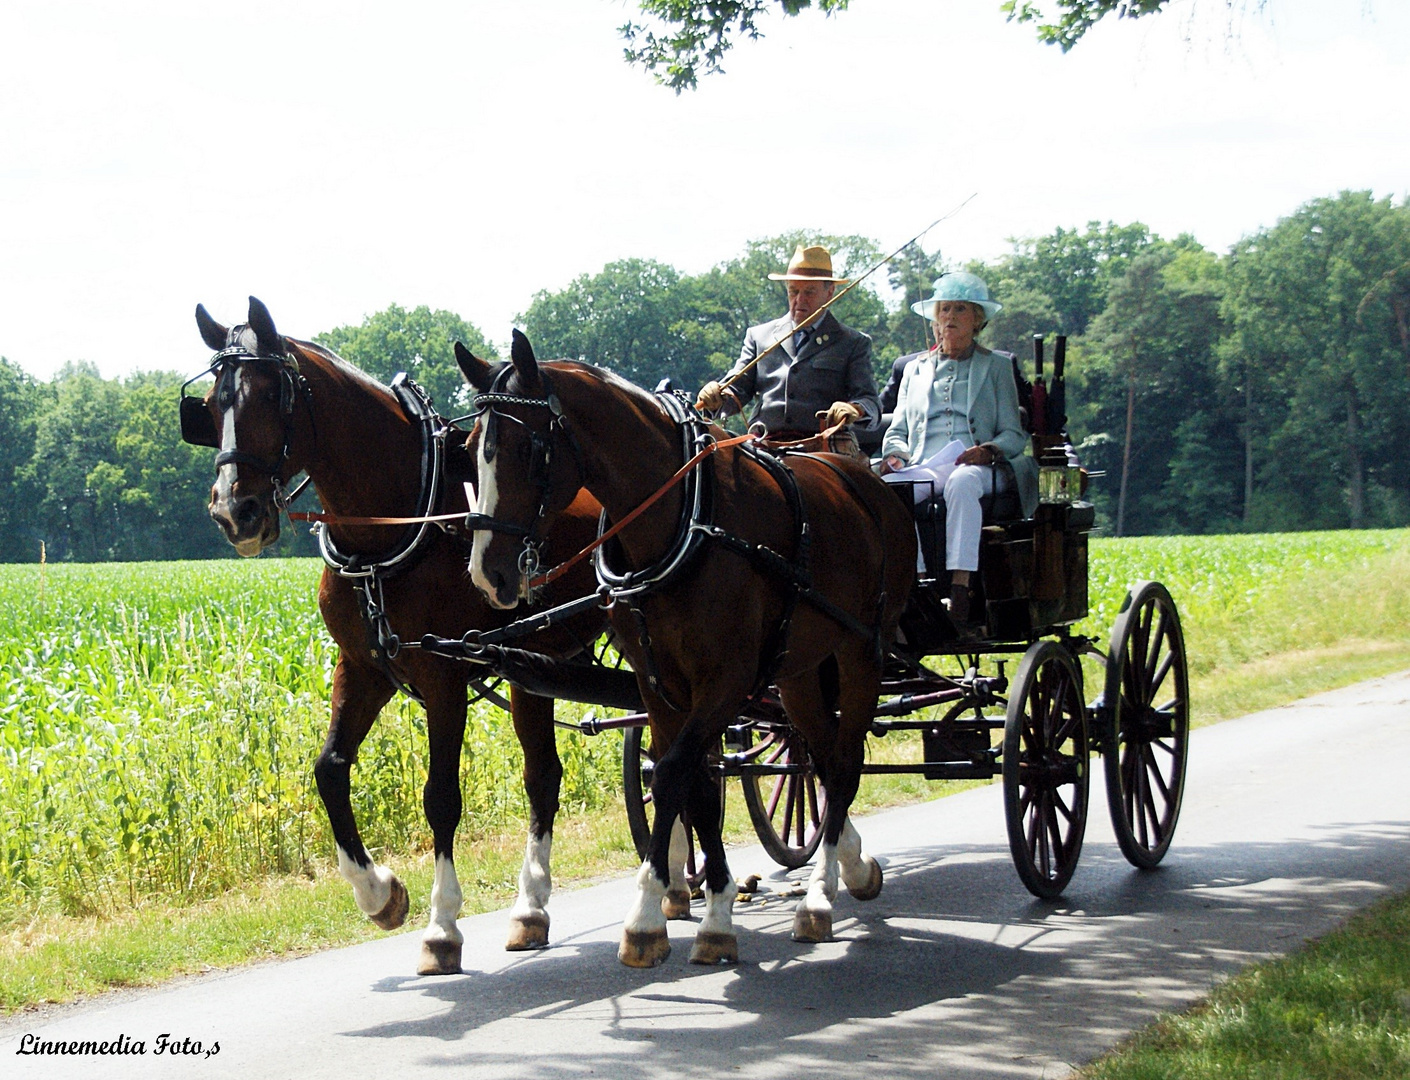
(809, 264)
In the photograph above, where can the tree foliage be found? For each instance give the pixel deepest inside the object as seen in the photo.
(420, 342)
(1318, 342)
(688, 38)
(1265, 389)
(685, 39)
(648, 322)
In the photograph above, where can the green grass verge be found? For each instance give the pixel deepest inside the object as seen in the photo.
(1338, 1009)
(1267, 620)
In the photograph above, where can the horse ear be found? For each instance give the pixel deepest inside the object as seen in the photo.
(262, 323)
(525, 363)
(478, 373)
(212, 333)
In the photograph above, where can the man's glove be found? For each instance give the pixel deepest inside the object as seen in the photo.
(711, 397)
(841, 412)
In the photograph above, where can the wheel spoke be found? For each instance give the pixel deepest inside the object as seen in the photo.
(1055, 840)
(777, 748)
(1143, 797)
(1044, 845)
(1153, 771)
(775, 794)
(797, 803)
(789, 805)
(1163, 745)
(1158, 679)
(1131, 689)
(1153, 649)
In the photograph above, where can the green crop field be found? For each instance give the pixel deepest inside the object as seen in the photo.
(158, 725)
(158, 722)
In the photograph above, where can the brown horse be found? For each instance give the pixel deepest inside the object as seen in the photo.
(747, 572)
(281, 406)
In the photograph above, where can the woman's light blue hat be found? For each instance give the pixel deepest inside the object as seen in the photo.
(958, 286)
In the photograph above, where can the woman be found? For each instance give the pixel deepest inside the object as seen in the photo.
(960, 390)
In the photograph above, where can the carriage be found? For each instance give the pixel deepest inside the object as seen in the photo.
(407, 617)
(1035, 729)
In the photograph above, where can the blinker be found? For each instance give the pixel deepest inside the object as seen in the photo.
(197, 424)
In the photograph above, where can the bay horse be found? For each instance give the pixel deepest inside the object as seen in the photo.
(748, 572)
(281, 406)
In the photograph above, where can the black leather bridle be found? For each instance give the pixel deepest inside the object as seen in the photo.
(541, 460)
(198, 426)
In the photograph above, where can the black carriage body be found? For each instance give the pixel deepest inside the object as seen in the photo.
(1032, 579)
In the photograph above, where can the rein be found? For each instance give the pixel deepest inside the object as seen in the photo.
(679, 475)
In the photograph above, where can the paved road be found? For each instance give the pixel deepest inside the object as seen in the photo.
(1293, 819)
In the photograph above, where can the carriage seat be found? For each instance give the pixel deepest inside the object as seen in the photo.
(1000, 508)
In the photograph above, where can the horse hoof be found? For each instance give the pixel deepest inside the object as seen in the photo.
(393, 912)
(439, 958)
(676, 904)
(714, 948)
(644, 949)
(872, 889)
(812, 926)
(527, 932)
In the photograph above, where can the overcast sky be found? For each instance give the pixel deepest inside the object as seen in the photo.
(336, 156)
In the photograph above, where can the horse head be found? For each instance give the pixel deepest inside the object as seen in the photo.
(527, 468)
(249, 416)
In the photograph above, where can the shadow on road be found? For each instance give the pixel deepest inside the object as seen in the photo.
(952, 924)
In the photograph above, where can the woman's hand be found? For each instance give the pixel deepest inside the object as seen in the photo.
(892, 464)
(983, 454)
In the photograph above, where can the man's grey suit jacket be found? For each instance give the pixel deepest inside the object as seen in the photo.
(834, 364)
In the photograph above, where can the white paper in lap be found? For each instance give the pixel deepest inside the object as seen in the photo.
(930, 475)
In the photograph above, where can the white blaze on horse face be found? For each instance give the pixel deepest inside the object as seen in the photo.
(488, 502)
(371, 884)
(535, 881)
(445, 904)
(225, 475)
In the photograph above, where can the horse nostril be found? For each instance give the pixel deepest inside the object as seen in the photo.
(247, 512)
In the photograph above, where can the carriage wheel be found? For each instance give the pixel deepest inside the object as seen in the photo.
(1146, 743)
(787, 808)
(1045, 768)
(636, 786)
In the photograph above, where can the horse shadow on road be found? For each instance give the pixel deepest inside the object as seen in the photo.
(954, 953)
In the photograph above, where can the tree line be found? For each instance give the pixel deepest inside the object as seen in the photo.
(1265, 389)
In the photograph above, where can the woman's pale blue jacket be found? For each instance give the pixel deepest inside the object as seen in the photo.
(991, 409)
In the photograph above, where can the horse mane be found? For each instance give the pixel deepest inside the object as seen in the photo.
(639, 396)
(341, 367)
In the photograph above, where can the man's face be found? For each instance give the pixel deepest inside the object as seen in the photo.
(805, 297)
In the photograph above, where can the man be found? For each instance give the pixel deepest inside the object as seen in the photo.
(819, 368)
